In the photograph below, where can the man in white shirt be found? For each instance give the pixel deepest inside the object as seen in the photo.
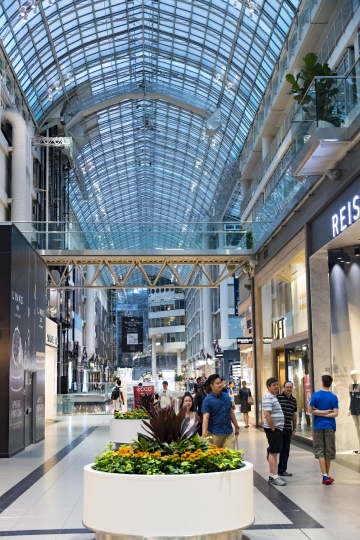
(165, 396)
(273, 427)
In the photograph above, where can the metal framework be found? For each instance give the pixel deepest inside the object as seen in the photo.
(147, 157)
(143, 270)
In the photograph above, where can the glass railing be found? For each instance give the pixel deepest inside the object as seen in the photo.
(330, 111)
(151, 236)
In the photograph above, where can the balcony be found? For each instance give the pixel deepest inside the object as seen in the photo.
(325, 124)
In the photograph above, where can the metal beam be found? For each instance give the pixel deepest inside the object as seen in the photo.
(181, 267)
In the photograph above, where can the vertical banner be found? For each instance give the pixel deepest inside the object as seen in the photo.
(307, 391)
(236, 295)
(132, 334)
(142, 391)
(39, 291)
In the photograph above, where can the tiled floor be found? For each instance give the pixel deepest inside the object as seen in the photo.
(41, 489)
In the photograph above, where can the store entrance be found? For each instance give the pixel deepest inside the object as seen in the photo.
(280, 367)
(298, 372)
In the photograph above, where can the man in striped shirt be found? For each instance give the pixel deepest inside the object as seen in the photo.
(273, 426)
(289, 407)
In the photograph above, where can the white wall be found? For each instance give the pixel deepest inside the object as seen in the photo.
(50, 383)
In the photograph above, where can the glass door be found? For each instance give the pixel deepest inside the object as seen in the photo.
(298, 372)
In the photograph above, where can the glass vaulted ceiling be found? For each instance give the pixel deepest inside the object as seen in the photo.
(148, 160)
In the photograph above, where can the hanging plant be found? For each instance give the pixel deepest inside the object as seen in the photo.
(320, 104)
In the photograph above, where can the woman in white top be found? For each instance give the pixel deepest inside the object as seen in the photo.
(187, 402)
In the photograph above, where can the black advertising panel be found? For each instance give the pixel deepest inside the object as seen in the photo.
(132, 334)
(22, 343)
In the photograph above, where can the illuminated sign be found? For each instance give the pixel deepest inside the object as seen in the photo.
(245, 341)
(346, 216)
(279, 329)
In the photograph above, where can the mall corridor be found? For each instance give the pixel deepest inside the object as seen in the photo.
(42, 489)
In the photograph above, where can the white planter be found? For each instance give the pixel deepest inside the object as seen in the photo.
(150, 506)
(125, 431)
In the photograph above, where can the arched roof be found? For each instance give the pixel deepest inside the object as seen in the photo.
(144, 159)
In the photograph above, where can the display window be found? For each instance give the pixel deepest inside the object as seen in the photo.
(282, 349)
(344, 279)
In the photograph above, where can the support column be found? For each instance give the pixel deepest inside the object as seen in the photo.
(225, 342)
(153, 357)
(265, 145)
(207, 307)
(179, 362)
(90, 315)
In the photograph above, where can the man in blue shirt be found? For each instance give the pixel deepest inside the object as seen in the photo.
(218, 416)
(324, 405)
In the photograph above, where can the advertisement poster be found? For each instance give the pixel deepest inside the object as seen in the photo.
(142, 391)
(307, 388)
(132, 334)
(27, 345)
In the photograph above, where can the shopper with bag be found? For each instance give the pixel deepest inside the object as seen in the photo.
(246, 400)
(117, 397)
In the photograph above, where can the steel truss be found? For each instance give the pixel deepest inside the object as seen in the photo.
(178, 270)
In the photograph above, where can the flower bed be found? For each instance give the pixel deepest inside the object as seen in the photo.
(136, 414)
(200, 458)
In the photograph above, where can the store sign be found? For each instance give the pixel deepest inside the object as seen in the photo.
(142, 391)
(346, 216)
(132, 334)
(219, 355)
(279, 329)
(267, 340)
(245, 341)
(51, 338)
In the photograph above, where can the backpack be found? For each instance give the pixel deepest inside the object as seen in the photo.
(115, 394)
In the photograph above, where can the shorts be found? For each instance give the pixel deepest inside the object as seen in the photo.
(324, 444)
(274, 439)
(223, 441)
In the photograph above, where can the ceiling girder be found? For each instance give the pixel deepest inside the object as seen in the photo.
(181, 277)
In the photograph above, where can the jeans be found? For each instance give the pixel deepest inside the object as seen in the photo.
(285, 451)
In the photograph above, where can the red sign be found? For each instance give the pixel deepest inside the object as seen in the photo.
(142, 391)
(307, 389)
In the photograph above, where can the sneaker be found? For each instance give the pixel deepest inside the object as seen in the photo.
(327, 480)
(270, 481)
(285, 473)
(278, 482)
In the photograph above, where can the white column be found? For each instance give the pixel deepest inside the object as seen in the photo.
(90, 315)
(225, 342)
(265, 144)
(207, 308)
(153, 358)
(179, 362)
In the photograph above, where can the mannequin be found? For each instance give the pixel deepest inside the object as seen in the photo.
(354, 402)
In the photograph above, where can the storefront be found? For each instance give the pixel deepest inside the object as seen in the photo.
(246, 347)
(335, 273)
(282, 344)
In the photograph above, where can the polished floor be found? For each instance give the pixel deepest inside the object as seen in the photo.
(41, 489)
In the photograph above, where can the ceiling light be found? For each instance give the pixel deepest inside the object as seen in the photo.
(357, 252)
(251, 8)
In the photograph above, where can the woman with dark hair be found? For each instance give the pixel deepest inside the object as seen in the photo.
(187, 402)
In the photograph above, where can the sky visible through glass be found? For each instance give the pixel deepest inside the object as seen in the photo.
(147, 160)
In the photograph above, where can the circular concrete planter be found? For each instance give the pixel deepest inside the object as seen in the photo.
(148, 506)
(125, 431)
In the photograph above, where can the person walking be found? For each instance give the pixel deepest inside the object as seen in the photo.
(245, 406)
(289, 408)
(165, 396)
(324, 405)
(187, 402)
(273, 426)
(231, 393)
(218, 416)
(117, 397)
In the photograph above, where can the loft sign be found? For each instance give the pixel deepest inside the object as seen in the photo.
(346, 216)
(279, 329)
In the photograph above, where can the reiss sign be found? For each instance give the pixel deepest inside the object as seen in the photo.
(346, 216)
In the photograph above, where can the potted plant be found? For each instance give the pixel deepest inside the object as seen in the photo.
(166, 465)
(318, 103)
(125, 426)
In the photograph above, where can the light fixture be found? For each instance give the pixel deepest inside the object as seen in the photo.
(357, 252)
(251, 9)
